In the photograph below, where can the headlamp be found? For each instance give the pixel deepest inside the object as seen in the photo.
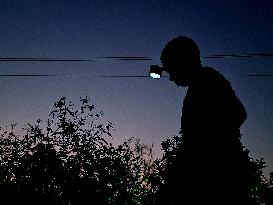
(155, 71)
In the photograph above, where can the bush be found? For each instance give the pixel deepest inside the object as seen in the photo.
(70, 161)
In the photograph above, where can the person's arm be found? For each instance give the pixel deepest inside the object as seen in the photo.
(237, 111)
(220, 103)
(231, 107)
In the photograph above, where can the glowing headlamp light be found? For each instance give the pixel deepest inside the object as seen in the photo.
(155, 72)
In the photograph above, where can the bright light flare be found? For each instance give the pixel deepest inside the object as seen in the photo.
(155, 72)
(155, 75)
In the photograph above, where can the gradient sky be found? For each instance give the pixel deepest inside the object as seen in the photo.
(140, 107)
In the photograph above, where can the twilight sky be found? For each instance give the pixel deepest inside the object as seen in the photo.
(141, 107)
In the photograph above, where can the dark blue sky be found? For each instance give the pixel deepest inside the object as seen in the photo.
(141, 107)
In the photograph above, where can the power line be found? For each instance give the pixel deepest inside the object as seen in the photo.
(132, 58)
(26, 75)
(42, 60)
(125, 58)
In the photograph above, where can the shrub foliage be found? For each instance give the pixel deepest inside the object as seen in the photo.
(68, 159)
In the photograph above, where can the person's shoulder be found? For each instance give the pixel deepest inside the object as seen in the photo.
(211, 72)
(213, 80)
(214, 76)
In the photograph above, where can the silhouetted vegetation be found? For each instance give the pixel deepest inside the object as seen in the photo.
(260, 189)
(69, 159)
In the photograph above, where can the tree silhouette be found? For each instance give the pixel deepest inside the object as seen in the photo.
(260, 189)
(70, 161)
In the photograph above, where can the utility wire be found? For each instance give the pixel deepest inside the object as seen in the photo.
(125, 58)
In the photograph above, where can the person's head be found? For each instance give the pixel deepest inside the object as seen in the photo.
(181, 59)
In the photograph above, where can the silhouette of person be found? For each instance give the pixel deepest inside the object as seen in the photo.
(210, 167)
